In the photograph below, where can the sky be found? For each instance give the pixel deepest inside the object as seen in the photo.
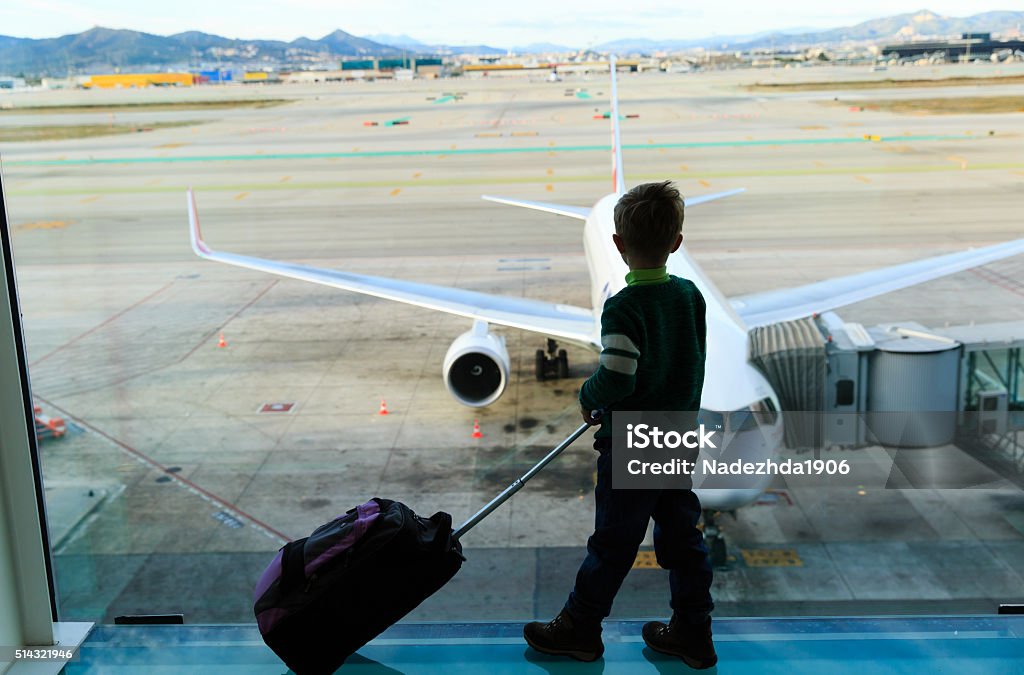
(499, 24)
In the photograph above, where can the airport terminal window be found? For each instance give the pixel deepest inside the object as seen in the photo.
(844, 392)
(197, 412)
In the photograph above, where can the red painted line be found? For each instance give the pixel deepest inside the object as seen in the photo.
(220, 328)
(204, 340)
(173, 476)
(988, 276)
(102, 324)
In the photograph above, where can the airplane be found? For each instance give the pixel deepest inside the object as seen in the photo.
(736, 398)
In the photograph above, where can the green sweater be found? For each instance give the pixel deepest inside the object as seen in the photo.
(653, 335)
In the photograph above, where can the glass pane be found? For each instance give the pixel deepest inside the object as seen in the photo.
(197, 414)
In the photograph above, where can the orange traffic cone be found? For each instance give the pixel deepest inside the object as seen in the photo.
(476, 429)
(222, 343)
(383, 408)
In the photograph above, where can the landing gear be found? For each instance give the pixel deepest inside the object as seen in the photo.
(715, 542)
(552, 364)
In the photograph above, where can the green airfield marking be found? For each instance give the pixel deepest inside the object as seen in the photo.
(493, 180)
(444, 99)
(583, 94)
(483, 151)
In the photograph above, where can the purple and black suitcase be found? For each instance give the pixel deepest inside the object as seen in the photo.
(326, 595)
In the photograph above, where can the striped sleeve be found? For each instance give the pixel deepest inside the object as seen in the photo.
(615, 377)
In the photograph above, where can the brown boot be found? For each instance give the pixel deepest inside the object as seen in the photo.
(690, 642)
(563, 636)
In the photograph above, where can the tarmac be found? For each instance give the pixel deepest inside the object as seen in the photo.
(172, 490)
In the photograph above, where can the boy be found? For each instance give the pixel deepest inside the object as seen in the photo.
(653, 337)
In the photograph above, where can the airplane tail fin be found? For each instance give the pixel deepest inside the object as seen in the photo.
(618, 179)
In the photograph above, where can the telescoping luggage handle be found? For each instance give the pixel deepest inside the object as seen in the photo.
(507, 493)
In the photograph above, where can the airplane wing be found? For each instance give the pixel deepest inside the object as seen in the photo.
(559, 209)
(701, 199)
(759, 309)
(574, 324)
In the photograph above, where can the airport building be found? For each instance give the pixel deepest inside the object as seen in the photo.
(969, 46)
(139, 80)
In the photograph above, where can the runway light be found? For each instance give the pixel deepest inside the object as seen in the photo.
(861, 492)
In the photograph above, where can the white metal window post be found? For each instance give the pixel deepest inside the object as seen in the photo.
(28, 610)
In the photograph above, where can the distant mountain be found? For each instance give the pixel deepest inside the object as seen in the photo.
(400, 41)
(105, 49)
(892, 28)
(543, 48)
(924, 23)
(99, 49)
(410, 44)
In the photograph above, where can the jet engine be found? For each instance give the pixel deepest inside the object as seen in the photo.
(476, 367)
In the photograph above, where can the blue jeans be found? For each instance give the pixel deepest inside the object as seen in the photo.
(620, 525)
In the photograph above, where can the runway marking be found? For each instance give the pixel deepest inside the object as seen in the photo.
(241, 195)
(90, 200)
(394, 193)
(771, 557)
(494, 180)
(646, 560)
(43, 225)
(549, 187)
(550, 172)
(704, 183)
(960, 160)
(171, 145)
(175, 476)
(863, 179)
(417, 174)
(107, 321)
(478, 151)
(286, 179)
(155, 181)
(999, 280)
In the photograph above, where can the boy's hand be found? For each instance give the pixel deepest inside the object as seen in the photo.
(587, 417)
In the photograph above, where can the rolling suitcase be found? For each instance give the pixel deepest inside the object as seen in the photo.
(324, 596)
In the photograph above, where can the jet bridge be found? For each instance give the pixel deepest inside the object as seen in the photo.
(897, 384)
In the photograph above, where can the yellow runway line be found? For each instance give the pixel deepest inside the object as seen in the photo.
(863, 179)
(394, 193)
(241, 195)
(645, 560)
(90, 200)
